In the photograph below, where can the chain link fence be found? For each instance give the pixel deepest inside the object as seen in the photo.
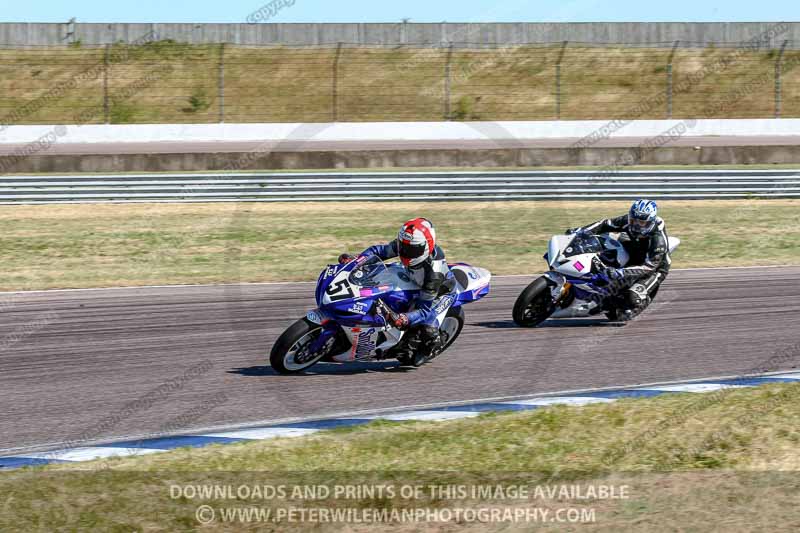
(169, 82)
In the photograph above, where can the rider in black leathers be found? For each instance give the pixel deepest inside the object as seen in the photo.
(643, 235)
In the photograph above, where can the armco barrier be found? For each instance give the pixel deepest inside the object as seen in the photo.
(493, 185)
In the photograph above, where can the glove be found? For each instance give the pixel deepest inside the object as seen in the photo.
(345, 258)
(614, 274)
(401, 321)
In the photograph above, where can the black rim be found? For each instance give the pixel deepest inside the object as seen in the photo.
(538, 310)
(303, 355)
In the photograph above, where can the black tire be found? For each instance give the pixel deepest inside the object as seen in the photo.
(458, 314)
(294, 334)
(534, 305)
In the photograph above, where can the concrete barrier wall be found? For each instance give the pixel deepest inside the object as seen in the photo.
(511, 157)
(15, 34)
(408, 131)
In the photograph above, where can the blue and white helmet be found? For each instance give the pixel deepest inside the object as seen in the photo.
(643, 217)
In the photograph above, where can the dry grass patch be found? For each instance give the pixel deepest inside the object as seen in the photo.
(172, 82)
(62, 246)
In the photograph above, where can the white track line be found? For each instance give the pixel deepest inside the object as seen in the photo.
(89, 453)
(263, 433)
(693, 387)
(423, 416)
(565, 400)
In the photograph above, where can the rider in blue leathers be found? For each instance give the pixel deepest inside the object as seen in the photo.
(425, 263)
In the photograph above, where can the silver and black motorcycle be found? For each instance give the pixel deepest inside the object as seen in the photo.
(576, 284)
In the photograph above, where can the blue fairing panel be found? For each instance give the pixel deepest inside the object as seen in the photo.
(324, 280)
(470, 296)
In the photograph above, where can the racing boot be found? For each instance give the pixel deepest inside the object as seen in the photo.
(637, 301)
(425, 345)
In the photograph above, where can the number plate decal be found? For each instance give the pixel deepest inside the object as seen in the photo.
(340, 291)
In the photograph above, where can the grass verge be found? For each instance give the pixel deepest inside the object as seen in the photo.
(122, 245)
(721, 461)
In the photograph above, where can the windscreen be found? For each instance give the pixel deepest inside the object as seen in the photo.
(368, 273)
(583, 243)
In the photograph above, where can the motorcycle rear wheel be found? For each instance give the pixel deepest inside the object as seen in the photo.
(451, 327)
(534, 305)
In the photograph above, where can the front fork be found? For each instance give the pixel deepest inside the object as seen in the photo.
(559, 287)
(329, 330)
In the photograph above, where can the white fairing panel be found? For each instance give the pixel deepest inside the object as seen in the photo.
(478, 277)
(673, 242)
(578, 309)
(556, 247)
(559, 243)
(365, 341)
(612, 243)
(577, 265)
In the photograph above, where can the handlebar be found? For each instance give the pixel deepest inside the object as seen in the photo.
(385, 311)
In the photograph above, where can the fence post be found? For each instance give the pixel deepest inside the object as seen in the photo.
(779, 81)
(335, 84)
(106, 68)
(670, 92)
(447, 81)
(558, 78)
(221, 83)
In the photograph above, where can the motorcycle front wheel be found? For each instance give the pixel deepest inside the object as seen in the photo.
(534, 305)
(290, 353)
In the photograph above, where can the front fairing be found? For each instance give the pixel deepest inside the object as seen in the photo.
(580, 259)
(324, 281)
(347, 293)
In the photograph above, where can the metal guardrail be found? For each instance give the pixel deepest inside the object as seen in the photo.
(387, 186)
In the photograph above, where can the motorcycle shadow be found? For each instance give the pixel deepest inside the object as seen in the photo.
(553, 323)
(327, 369)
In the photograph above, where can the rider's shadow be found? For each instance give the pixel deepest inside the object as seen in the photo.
(327, 369)
(552, 323)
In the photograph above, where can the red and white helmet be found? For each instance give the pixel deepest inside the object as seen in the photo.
(416, 241)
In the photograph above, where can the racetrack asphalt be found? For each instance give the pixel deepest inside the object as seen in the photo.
(84, 366)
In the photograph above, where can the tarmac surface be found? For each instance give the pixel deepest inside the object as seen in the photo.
(86, 366)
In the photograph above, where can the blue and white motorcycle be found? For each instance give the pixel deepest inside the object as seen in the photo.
(355, 300)
(576, 284)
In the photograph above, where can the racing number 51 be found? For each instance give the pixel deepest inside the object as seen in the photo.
(339, 291)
